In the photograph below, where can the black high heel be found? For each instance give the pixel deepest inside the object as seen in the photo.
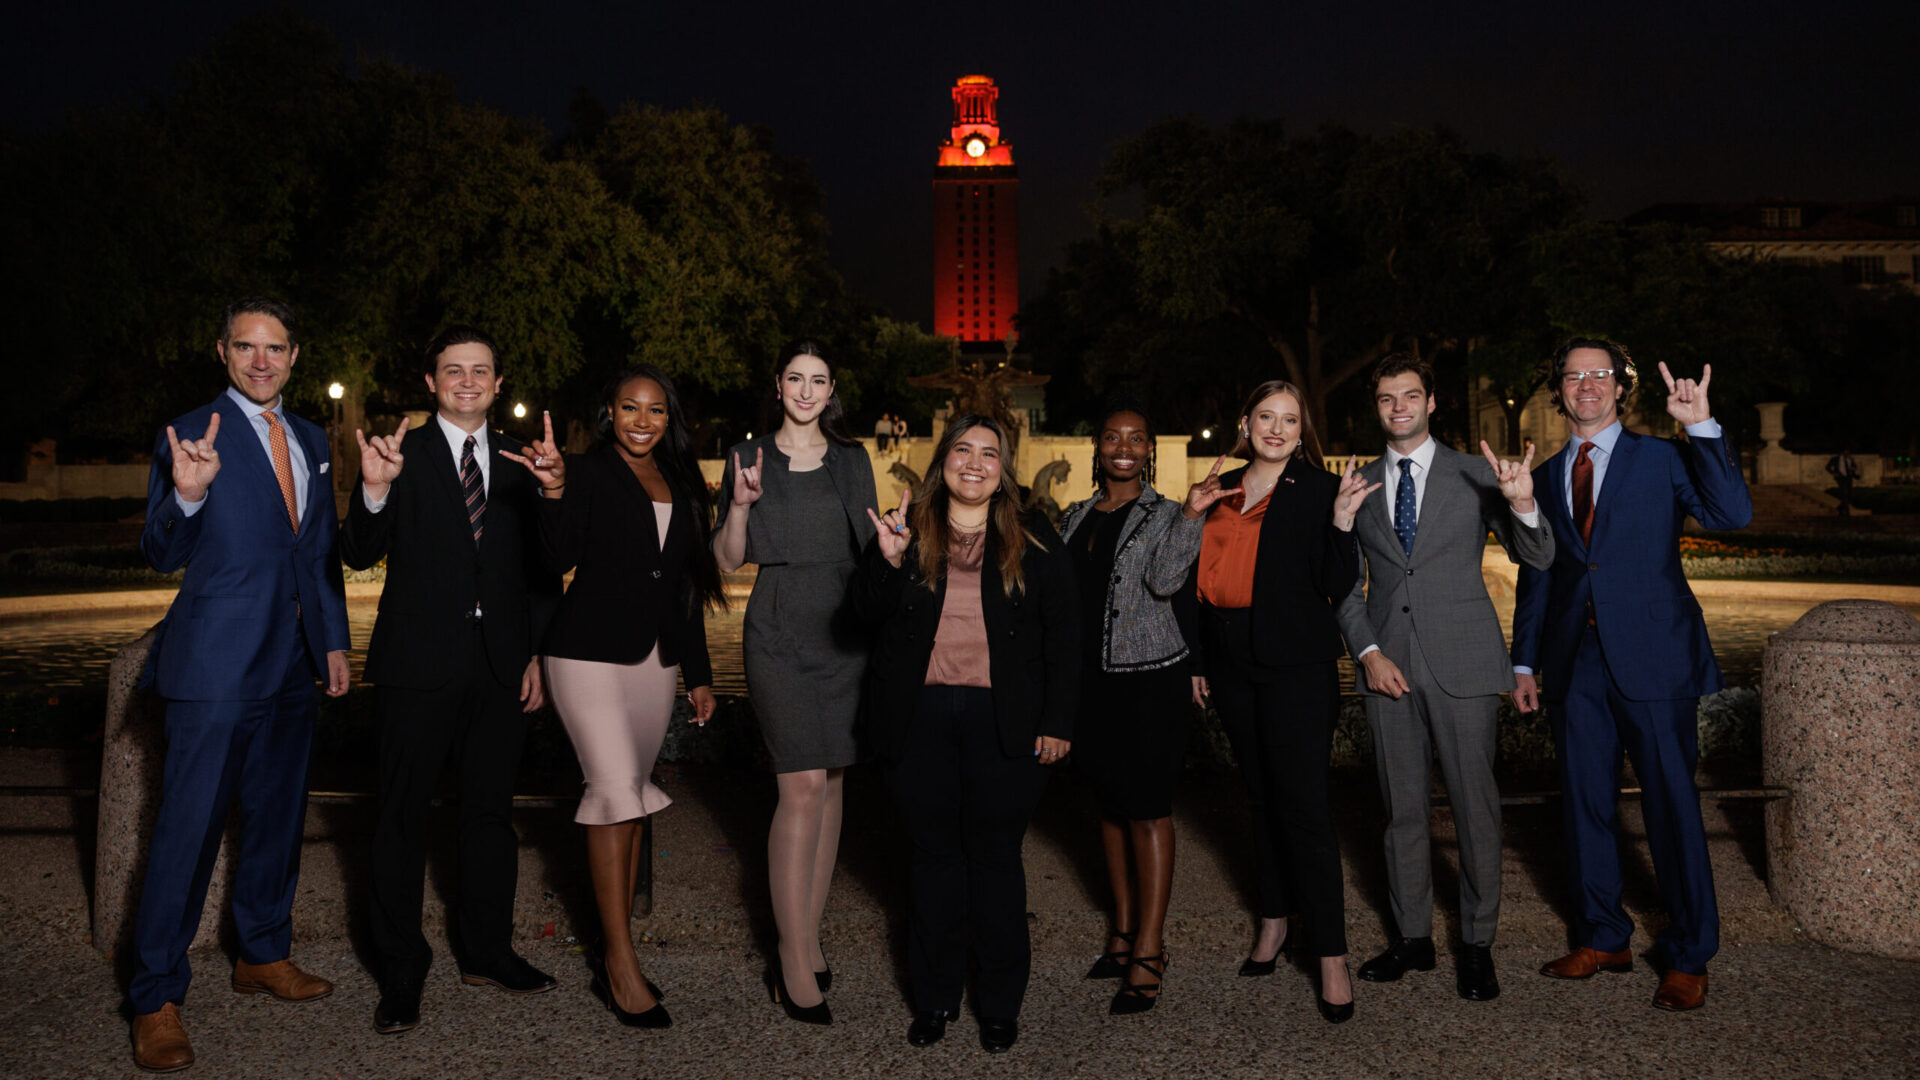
(1331, 1013)
(1134, 998)
(1113, 965)
(597, 964)
(655, 1017)
(1255, 968)
(824, 979)
(806, 1014)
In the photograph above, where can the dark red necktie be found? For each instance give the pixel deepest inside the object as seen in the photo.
(1583, 493)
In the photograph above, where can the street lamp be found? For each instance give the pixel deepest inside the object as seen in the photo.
(336, 391)
(1206, 433)
(519, 410)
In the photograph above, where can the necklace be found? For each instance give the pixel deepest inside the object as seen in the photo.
(964, 537)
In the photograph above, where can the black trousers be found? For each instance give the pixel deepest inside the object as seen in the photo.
(476, 724)
(965, 807)
(1280, 722)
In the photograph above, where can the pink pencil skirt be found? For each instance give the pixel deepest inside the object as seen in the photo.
(616, 715)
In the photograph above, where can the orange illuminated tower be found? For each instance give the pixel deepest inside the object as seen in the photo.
(976, 221)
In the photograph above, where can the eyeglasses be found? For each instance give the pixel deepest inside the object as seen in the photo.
(1599, 375)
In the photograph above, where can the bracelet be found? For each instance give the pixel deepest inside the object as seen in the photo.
(555, 487)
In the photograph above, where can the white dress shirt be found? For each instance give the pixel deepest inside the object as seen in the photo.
(301, 473)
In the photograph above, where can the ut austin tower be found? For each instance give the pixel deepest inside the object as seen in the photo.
(976, 221)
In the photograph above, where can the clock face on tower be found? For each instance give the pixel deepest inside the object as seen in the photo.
(976, 146)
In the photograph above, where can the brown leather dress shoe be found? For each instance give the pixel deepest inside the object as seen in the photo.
(160, 1041)
(1581, 963)
(1680, 992)
(281, 979)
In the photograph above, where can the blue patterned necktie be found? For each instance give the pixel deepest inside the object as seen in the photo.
(1405, 519)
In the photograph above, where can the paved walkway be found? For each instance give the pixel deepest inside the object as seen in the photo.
(1779, 1005)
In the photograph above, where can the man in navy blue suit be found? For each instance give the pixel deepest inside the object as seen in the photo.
(1618, 635)
(240, 496)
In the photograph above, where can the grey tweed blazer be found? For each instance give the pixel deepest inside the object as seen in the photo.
(1438, 594)
(1158, 546)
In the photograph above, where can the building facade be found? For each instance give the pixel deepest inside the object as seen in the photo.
(976, 221)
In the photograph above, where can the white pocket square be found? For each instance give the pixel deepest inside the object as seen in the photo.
(325, 465)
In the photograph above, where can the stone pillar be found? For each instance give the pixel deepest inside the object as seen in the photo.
(1774, 464)
(1840, 730)
(133, 754)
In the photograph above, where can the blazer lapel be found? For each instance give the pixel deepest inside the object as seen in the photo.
(1378, 516)
(637, 491)
(1562, 515)
(1619, 468)
(245, 446)
(319, 484)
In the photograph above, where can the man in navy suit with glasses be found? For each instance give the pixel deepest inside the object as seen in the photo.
(1616, 632)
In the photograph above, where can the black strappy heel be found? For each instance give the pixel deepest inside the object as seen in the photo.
(1132, 998)
(1113, 965)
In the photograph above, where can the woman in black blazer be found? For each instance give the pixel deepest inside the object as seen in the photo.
(630, 517)
(972, 690)
(1276, 554)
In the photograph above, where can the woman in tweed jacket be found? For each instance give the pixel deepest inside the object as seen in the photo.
(1134, 551)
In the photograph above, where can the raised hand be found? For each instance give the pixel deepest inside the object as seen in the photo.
(895, 533)
(546, 463)
(1686, 399)
(380, 459)
(1202, 496)
(1516, 478)
(195, 462)
(1354, 490)
(746, 482)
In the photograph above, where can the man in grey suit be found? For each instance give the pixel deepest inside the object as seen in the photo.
(1425, 635)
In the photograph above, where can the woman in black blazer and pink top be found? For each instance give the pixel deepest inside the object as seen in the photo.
(1276, 553)
(972, 691)
(630, 517)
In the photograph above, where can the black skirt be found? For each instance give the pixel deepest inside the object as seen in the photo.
(1131, 738)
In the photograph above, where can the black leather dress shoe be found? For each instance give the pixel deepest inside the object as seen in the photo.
(399, 1008)
(514, 975)
(929, 1027)
(1473, 976)
(997, 1035)
(1404, 955)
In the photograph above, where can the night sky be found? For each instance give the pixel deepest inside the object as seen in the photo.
(1640, 103)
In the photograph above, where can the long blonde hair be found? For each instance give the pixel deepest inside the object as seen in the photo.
(929, 512)
(1309, 439)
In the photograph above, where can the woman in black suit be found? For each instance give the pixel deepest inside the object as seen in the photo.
(972, 691)
(1277, 552)
(631, 516)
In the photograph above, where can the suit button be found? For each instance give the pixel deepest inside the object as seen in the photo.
(1115, 613)
(1405, 610)
(1409, 571)
(656, 573)
(1593, 566)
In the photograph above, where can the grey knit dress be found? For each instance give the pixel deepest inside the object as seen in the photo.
(804, 655)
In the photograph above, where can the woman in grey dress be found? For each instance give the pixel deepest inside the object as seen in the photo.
(796, 506)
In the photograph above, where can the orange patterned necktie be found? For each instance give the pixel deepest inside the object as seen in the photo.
(282, 466)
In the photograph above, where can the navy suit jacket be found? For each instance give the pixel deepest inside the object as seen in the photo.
(1650, 627)
(252, 583)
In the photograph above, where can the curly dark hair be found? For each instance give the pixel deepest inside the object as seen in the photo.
(1623, 373)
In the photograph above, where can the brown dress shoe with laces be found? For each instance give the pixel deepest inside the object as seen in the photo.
(1581, 963)
(281, 979)
(1680, 992)
(160, 1041)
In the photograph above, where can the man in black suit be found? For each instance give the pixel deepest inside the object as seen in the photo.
(452, 658)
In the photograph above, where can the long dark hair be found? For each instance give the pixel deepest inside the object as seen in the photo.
(1124, 403)
(833, 418)
(1309, 440)
(929, 511)
(682, 470)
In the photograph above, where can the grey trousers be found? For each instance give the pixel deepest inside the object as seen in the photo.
(1427, 725)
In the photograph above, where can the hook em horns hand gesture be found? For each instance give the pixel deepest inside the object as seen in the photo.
(895, 533)
(195, 462)
(1516, 478)
(1202, 496)
(746, 481)
(1354, 490)
(546, 463)
(1686, 399)
(380, 460)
